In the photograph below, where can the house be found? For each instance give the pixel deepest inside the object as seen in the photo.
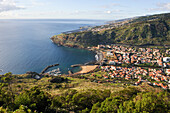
(138, 82)
(112, 62)
(165, 65)
(168, 71)
(166, 59)
(109, 53)
(159, 61)
(113, 67)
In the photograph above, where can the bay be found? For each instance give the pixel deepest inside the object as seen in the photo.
(25, 45)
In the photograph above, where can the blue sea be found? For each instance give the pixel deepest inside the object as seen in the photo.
(25, 45)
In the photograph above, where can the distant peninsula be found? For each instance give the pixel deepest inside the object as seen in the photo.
(145, 30)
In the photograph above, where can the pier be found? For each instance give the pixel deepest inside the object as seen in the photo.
(76, 65)
(88, 63)
(45, 69)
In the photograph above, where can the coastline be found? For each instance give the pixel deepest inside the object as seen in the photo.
(88, 66)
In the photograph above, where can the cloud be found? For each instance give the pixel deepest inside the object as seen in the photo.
(161, 7)
(164, 6)
(113, 11)
(108, 12)
(8, 5)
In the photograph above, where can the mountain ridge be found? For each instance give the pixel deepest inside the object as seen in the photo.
(145, 30)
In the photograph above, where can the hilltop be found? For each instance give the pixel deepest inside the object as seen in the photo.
(145, 30)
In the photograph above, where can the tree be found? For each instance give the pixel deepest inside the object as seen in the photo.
(6, 91)
(24, 109)
(8, 79)
(35, 99)
(95, 107)
(147, 103)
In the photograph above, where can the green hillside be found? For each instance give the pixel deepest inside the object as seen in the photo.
(153, 30)
(24, 94)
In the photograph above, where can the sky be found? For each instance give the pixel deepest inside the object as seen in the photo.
(81, 9)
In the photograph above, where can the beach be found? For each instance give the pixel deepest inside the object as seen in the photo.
(86, 69)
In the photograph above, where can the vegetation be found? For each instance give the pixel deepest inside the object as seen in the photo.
(148, 65)
(150, 30)
(36, 99)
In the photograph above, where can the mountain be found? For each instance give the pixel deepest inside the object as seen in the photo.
(145, 30)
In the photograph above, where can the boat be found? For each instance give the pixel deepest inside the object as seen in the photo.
(55, 72)
(58, 69)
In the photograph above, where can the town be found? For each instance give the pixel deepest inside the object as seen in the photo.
(149, 65)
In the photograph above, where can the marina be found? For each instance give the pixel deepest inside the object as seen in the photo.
(54, 72)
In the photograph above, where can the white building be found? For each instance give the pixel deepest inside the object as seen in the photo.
(97, 57)
(168, 71)
(112, 63)
(166, 59)
(109, 53)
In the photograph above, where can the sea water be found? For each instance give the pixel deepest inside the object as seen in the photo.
(25, 45)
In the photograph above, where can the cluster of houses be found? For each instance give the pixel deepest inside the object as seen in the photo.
(161, 85)
(124, 72)
(138, 73)
(120, 54)
(109, 26)
(115, 54)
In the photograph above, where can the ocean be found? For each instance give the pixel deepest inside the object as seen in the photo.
(25, 45)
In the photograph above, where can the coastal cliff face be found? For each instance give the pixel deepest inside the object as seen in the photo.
(66, 40)
(153, 30)
(80, 39)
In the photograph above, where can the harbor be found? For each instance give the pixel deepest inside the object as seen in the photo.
(54, 72)
(45, 69)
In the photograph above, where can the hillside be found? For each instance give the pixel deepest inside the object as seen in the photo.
(154, 30)
(24, 94)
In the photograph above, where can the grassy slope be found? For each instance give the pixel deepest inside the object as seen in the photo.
(86, 95)
(24, 82)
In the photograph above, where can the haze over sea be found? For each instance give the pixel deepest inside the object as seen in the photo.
(25, 45)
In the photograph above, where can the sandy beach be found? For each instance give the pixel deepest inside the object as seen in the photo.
(86, 69)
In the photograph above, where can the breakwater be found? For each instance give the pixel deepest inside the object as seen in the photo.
(45, 69)
(76, 65)
(88, 63)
